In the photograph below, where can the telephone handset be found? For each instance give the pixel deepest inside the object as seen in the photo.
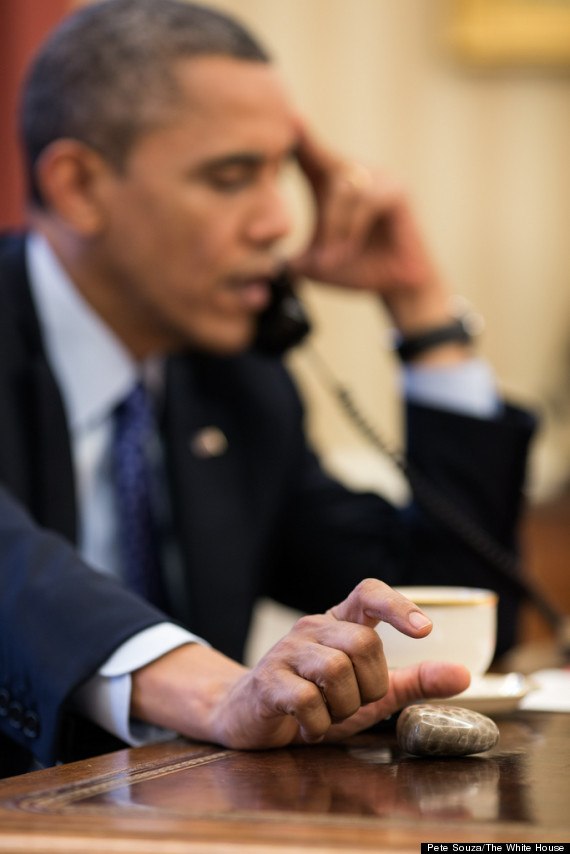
(284, 324)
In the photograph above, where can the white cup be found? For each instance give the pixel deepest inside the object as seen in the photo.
(464, 628)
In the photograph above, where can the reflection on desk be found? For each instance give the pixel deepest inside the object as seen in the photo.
(361, 795)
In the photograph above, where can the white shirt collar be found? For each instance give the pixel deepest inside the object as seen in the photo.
(92, 367)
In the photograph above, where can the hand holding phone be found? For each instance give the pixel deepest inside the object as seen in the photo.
(366, 238)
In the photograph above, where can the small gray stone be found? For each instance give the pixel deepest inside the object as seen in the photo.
(433, 730)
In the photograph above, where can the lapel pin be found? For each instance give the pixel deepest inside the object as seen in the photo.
(208, 442)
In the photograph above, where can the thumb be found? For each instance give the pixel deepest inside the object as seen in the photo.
(428, 680)
(372, 601)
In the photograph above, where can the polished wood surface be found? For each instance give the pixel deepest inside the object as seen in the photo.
(362, 795)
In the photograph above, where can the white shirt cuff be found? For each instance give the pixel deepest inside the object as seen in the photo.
(106, 697)
(467, 388)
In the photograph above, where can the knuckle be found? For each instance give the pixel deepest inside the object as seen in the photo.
(308, 697)
(369, 585)
(308, 623)
(337, 667)
(283, 651)
(370, 645)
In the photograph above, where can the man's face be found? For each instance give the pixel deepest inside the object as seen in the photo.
(192, 223)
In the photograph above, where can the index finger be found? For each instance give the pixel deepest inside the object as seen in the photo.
(372, 601)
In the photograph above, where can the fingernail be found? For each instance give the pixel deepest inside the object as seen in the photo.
(419, 620)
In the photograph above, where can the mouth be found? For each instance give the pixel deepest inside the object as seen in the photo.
(253, 292)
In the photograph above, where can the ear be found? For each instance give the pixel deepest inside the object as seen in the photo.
(69, 174)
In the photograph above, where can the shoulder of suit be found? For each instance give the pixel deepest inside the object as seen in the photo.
(17, 311)
(12, 249)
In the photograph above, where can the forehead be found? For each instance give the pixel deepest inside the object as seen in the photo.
(229, 102)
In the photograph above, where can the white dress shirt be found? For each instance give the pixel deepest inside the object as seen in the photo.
(94, 372)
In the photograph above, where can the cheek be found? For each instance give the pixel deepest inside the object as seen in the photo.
(176, 246)
(168, 256)
(211, 237)
(201, 245)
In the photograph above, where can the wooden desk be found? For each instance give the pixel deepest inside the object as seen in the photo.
(364, 795)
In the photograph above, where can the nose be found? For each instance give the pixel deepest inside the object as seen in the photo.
(269, 220)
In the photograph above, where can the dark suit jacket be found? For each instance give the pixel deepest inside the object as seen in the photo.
(262, 519)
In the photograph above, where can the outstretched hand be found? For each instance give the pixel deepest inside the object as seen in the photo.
(326, 679)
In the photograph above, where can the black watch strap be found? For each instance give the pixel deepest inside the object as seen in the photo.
(411, 346)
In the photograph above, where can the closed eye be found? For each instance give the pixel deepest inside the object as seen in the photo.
(240, 170)
(232, 173)
(232, 179)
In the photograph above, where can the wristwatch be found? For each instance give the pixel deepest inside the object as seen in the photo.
(464, 326)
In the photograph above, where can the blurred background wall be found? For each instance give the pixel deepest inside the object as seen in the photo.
(23, 24)
(484, 149)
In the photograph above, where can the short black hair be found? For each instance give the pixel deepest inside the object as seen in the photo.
(107, 73)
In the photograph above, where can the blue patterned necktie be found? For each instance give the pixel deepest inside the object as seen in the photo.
(138, 531)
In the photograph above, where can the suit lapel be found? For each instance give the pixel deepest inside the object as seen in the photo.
(54, 492)
(212, 504)
(42, 467)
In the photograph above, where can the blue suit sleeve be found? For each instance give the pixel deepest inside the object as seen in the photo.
(59, 620)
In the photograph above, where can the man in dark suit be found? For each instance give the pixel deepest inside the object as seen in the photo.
(155, 134)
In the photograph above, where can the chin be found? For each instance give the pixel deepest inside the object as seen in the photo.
(228, 342)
